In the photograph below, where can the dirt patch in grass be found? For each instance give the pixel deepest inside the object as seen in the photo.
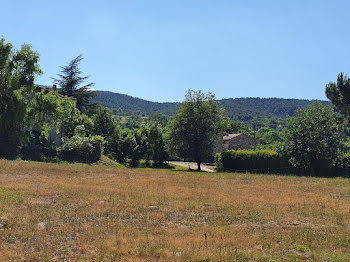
(71, 212)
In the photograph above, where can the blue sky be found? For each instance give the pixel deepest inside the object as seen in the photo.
(158, 49)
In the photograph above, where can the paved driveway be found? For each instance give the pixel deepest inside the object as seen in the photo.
(193, 165)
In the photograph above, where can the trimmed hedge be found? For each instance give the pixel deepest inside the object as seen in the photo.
(82, 149)
(261, 161)
(269, 161)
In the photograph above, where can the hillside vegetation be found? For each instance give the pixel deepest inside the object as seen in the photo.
(243, 109)
(89, 213)
(125, 104)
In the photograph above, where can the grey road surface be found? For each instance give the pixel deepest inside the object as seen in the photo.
(193, 165)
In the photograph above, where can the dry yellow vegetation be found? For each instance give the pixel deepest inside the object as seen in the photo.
(62, 212)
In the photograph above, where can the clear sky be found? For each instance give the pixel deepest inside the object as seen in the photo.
(158, 49)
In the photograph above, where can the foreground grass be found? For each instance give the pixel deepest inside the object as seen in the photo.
(54, 212)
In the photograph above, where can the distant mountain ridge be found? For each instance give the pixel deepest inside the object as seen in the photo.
(242, 109)
(125, 104)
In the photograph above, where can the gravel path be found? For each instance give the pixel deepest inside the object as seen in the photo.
(193, 165)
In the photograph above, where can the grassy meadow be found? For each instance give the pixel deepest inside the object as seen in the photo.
(75, 212)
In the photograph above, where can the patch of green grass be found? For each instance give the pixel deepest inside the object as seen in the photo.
(9, 195)
(106, 161)
(178, 168)
(335, 257)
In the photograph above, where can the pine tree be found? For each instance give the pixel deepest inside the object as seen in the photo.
(339, 94)
(70, 81)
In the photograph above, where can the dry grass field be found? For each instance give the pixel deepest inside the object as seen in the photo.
(51, 212)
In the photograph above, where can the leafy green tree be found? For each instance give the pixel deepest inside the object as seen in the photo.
(104, 122)
(104, 125)
(48, 111)
(115, 146)
(315, 139)
(199, 122)
(128, 144)
(123, 145)
(140, 149)
(70, 82)
(269, 138)
(132, 121)
(238, 127)
(145, 142)
(17, 74)
(160, 119)
(154, 143)
(274, 122)
(75, 119)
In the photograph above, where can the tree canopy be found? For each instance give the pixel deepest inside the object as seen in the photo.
(17, 73)
(71, 84)
(339, 94)
(315, 139)
(197, 125)
(48, 111)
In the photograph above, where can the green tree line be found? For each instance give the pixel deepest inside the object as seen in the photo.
(63, 123)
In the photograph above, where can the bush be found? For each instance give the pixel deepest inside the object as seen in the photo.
(341, 167)
(82, 149)
(262, 161)
(218, 161)
(8, 149)
(38, 152)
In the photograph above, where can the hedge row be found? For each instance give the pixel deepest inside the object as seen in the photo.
(262, 161)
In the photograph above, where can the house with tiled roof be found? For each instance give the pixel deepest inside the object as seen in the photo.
(234, 142)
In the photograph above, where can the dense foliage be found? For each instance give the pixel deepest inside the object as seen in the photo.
(259, 161)
(104, 122)
(82, 149)
(156, 150)
(17, 73)
(315, 139)
(339, 94)
(39, 123)
(196, 127)
(270, 138)
(121, 104)
(48, 111)
(240, 109)
(70, 82)
(313, 143)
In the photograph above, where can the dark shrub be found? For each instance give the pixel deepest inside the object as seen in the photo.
(38, 152)
(8, 149)
(82, 149)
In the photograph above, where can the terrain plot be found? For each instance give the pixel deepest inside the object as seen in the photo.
(77, 212)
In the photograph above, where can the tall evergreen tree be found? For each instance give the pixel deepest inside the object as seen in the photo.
(71, 84)
(339, 94)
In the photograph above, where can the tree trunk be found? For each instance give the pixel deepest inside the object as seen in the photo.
(199, 166)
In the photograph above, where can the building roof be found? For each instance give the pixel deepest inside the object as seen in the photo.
(230, 136)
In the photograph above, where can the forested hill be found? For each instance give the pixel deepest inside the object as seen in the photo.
(246, 109)
(243, 109)
(123, 104)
